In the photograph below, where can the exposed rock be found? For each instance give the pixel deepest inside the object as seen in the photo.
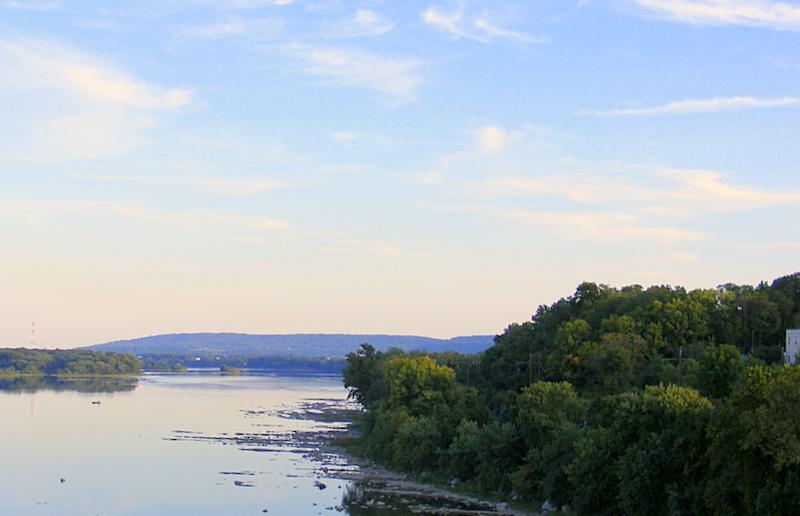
(549, 506)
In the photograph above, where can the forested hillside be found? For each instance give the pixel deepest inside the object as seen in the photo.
(297, 345)
(610, 401)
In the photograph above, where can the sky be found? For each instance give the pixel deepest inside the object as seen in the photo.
(434, 167)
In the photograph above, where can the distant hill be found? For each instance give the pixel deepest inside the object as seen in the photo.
(299, 345)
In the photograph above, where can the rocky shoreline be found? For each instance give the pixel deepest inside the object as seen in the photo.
(376, 487)
(370, 488)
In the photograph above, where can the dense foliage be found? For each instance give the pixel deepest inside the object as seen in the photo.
(281, 364)
(611, 401)
(66, 362)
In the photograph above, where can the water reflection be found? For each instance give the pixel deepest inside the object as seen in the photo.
(105, 385)
(188, 444)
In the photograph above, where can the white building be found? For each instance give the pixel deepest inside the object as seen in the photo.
(792, 348)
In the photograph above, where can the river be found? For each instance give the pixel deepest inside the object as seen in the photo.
(175, 444)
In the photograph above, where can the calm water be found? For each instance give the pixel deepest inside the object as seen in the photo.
(167, 444)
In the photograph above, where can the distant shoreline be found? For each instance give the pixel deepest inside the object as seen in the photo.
(11, 375)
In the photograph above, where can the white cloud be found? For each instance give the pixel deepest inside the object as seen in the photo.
(624, 204)
(680, 107)
(32, 5)
(604, 226)
(216, 185)
(430, 177)
(709, 186)
(254, 4)
(753, 13)
(365, 22)
(78, 106)
(257, 29)
(780, 245)
(478, 28)
(659, 191)
(198, 219)
(343, 168)
(91, 135)
(50, 65)
(36, 211)
(449, 22)
(483, 23)
(396, 78)
(493, 139)
(344, 136)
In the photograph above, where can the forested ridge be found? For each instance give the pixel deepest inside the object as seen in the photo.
(610, 401)
(66, 362)
(304, 345)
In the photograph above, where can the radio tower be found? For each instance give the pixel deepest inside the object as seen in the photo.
(33, 334)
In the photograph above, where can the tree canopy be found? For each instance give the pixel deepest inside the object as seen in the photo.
(611, 401)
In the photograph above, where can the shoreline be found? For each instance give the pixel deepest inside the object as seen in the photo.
(379, 486)
(11, 376)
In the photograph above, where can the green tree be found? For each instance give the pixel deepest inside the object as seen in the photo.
(721, 369)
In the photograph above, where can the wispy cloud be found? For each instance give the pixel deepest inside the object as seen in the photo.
(430, 177)
(344, 136)
(35, 211)
(779, 245)
(33, 5)
(396, 78)
(710, 186)
(494, 31)
(101, 111)
(659, 191)
(365, 22)
(753, 13)
(90, 135)
(200, 219)
(682, 107)
(234, 26)
(52, 65)
(478, 28)
(492, 138)
(215, 185)
(255, 4)
(605, 226)
(626, 204)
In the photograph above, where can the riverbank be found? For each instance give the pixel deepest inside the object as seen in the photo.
(377, 487)
(6, 375)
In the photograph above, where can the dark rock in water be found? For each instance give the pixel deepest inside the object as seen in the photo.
(319, 484)
(63, 480)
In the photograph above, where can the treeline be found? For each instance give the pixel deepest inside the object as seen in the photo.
(297, 365)
(611, 401)
(68, 362)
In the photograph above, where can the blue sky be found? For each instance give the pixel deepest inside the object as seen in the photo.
(436, 168)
